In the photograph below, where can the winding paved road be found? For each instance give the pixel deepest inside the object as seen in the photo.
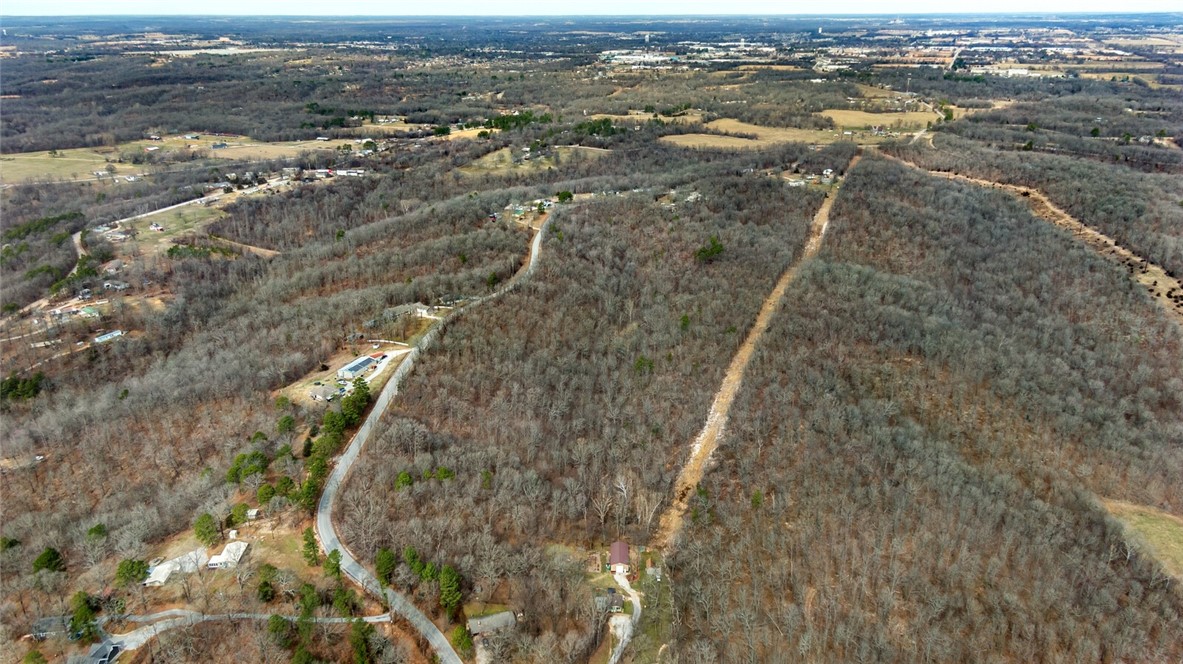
(325, 530)
(164, 621)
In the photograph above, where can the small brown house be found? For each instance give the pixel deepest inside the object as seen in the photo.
(618, 560)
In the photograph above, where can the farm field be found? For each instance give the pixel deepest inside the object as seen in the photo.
(770, 68)
(765, 136)
(81, 163)
(874, 92)
(848, 119)
(67, 164)
(634, 116)
(470, 133)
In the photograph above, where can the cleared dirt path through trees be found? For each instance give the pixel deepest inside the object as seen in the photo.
(249, 248)
(1163, 288)
(708, 439)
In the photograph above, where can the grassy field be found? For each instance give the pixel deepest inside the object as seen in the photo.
(479, 609)
(469, 133)
(1104, 65)
(848, 119)
(636, 117)
(176, 222)
(248, 149)
(501, 161)
(769, 68)
(1158, 532)
(68, 164)
(81, 163)
(872, 92)
(765, 136)
(1148, 79)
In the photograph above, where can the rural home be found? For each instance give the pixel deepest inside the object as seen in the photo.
(103, 653)
(611, 602)
(486, 624)
(186, 564)
(103, 338)
(229, 557)
(322, 393)
(618, 557)
(355, 368)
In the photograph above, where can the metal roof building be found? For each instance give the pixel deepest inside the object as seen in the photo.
(355, 368)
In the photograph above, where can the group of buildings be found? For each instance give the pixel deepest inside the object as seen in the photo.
(194, 560)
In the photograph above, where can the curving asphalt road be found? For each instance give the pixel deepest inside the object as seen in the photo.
(325, 530)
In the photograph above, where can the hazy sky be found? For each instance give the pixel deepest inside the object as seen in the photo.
(563, 7)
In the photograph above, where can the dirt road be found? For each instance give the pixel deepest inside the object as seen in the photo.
(623, 626)
(1153, 277)
(249, 248)
(708, 439)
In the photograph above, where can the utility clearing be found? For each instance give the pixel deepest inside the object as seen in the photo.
(708, 439)
(1154, 278)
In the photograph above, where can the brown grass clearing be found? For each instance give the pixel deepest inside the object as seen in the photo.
(68, 164)
(176, 222)
(299, 392)
(769, 68)
(636, 117)
(471, 133)
(765, 136)
(1160, 533)
(873, 92)
(847, 119)
(502, 161)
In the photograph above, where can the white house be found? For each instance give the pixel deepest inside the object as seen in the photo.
(229, 556)
(187, 564)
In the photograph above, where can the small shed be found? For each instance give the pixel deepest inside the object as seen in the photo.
(618, 560)
(492, 623)
(229, 557)
(355, 368)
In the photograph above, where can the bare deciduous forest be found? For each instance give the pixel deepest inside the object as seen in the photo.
(916, 466)
(927, 427)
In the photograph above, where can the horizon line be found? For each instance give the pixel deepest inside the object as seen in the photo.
(617, 15)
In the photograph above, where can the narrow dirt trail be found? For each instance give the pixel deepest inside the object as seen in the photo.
(1166, 290)
(250, 248)
(708, 439)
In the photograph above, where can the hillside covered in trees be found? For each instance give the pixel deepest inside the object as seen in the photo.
(915, 463)
(939, 392)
